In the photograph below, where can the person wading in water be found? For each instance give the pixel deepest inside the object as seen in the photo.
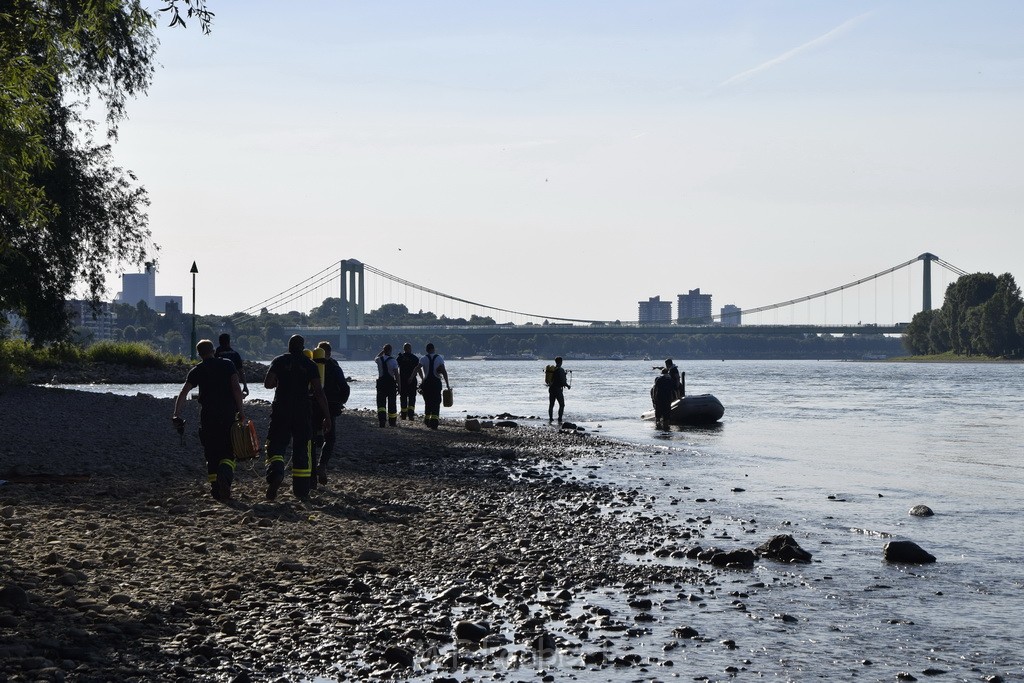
(555, 394)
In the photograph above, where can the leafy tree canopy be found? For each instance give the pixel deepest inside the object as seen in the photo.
(67, 213)
(979, 315)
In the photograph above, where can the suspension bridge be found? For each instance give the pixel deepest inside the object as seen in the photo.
(359, 289)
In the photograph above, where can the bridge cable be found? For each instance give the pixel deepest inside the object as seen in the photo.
(394, 278)
(830, 291)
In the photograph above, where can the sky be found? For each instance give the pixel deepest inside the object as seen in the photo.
(573, 158)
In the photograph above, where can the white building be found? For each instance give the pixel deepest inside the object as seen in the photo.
(136, 287)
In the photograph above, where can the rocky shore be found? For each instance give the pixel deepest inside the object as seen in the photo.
(428, 554)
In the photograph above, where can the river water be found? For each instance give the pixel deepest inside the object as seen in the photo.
(834, 453)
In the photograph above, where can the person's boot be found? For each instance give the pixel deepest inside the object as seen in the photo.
(274, 484)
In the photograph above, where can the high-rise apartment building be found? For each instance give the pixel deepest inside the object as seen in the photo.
(654, 311)
(695, 308)
(97, 325)
(732, 315)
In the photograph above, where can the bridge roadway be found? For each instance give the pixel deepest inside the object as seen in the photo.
(401, 332)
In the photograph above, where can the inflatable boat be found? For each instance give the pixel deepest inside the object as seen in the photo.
(693, 410)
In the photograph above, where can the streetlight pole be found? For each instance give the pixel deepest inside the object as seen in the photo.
(194, 271)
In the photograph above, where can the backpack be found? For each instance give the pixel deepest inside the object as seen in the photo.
(549, 374)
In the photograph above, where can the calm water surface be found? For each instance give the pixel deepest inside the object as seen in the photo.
(834, 453)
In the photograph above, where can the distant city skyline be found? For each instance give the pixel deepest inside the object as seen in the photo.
(571, 159)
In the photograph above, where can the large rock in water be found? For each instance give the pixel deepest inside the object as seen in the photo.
(784, 549)
(906, 552)
(921, 511)
(733, 559)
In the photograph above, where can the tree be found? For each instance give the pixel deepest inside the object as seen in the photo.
(938, 335)
(997, 335)
(915, 337)
(67, 214)
(174, 342)
(327, 313)
(389, 314)
(967, 293)
(978, 316)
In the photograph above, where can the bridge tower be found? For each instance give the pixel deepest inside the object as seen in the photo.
(353, 299)
(927, 258)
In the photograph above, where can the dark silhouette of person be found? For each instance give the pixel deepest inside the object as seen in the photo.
(432, 369)
(387, 387)
(335, 389)
(220, 398)
(555, 393)
(224, 350)
(290, 376)
(408, 363)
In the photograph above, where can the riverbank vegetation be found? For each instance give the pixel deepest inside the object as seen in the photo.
(18, 359)
(981, 315)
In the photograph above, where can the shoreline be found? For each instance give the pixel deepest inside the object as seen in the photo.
(119, 566)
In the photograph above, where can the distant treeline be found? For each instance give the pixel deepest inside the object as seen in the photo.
(266, 335)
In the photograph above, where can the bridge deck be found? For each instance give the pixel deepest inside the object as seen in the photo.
(531, 330)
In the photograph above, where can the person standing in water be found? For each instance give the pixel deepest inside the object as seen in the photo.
(555, 393)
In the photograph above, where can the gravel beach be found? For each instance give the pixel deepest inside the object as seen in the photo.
(430, 554)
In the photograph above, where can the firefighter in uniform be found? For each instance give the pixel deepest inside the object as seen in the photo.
(336, 391)
(290, 376)
(407, 364)
(220, 398)
(387, 387)
(432, 369)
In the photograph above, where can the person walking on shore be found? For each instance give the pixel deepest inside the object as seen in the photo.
(335, 390)
(408, 362)
(555, 393)
(220, 398)
(431, 370)
(387, 387)
(224, 350)
(290, 376)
